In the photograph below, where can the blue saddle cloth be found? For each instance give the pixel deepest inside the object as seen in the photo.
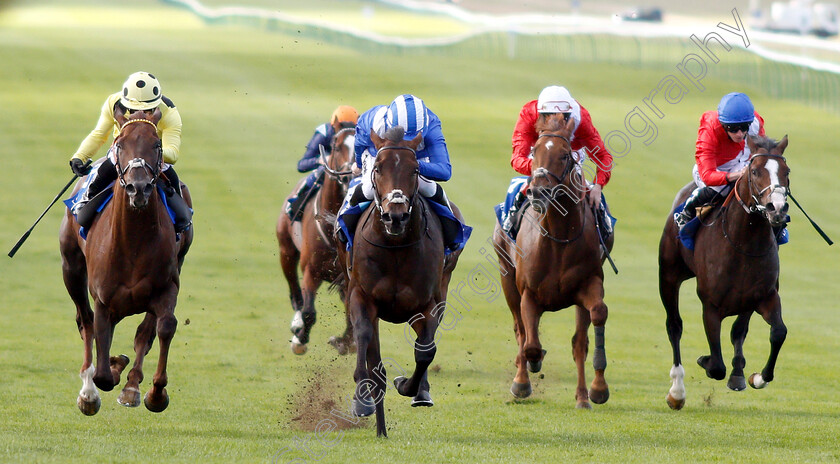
(502, 209)
(442, 211)
(71, 202)
(687, 233)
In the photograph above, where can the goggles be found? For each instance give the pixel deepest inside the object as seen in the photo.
(737, 127)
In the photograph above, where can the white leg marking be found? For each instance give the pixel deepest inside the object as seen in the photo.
(677, 390)
(297, 322)
(88, 391)
(758, 381)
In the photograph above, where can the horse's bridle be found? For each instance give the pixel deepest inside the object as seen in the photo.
(542, 172)
(757, 207)
(391, 195)
(136, 162)
(341, 174)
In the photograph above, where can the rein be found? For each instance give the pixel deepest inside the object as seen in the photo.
(136, 162)
(345, 169)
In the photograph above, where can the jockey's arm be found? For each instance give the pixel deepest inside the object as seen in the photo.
(170, 127)
(524, 137)
(97, 137)
(312, 155)
(438, 168)
(706, 157)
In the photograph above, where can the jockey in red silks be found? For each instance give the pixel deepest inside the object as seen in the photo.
(722, 154)
(586, 142)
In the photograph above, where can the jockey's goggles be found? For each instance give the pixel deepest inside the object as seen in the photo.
(737, 127)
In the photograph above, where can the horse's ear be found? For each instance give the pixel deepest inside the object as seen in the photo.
(415, 142)
(119, 115)
(570, 124)
(751, 144)
(782, 144)
(376, 139)
(156, 116)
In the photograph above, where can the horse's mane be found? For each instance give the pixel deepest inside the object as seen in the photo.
(767, 143)
(395, 134)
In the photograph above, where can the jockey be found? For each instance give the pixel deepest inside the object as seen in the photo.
(140, 92)
(585, 140)
(722, 154)
(343, 117)
(410, 113)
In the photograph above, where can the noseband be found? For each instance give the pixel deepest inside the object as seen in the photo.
(137, 162)
(757, 207)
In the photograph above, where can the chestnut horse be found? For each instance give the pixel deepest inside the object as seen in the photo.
(556, 263)
(396, 272)
(131, 264)
(736, 263)
(315, 247)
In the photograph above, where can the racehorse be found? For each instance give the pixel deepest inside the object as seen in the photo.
(736, 263)
(131, 263)
(396, 272)
(556, 263)
(315, 247)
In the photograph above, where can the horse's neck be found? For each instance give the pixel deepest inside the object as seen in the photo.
(134, 227)
(565, 213)
(331, 195)
(750, 231)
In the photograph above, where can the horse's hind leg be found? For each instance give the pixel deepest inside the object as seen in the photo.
(143, 339)
(74, 271)
(771, 311)
(580, 348)
(307, 311)
(289, 259)
(669, 293)
(737, 336)
(713, 363)
(344, 343)
(157, 399)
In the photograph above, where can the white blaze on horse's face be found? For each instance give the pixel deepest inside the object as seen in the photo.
(350, 143)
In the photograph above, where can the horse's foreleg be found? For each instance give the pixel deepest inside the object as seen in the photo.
(737, 336)
(669, 293)
(143, 339)
(593, 300)
(376, 372)
(157, 399)
(521, 387)
(425, 325)
(363, 402)
(580, 349)
(103, 329)
(531, 348)
(713, 363)
(771, 311)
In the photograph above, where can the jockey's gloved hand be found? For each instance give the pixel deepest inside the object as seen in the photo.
(79, 167)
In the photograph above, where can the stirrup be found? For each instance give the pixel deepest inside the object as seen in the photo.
(681, 220)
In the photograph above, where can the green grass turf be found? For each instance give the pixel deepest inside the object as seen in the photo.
(250, 101)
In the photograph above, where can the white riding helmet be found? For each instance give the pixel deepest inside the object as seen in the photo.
(141, 91)
(554, 99)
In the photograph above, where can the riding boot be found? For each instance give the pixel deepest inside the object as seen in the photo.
(351, 220)
(780, 232)
(451, 228)
(85, 208)
(295, 207)
(176, 202)
(514, 219)
(699, 197)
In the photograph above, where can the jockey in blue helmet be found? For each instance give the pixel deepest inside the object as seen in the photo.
(721, 151)
(410, 113)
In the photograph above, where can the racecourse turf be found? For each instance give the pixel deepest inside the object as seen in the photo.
(250, 100)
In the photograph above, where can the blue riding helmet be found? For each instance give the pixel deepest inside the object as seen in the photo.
(408, 112)
(735, 108)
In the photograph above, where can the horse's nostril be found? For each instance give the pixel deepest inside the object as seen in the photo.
(147, 190)
(771, 207)
(130, 189)
(404, 217)
(785, 208)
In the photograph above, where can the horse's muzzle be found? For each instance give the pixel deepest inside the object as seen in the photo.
(139, 193)
(777, 217)
(395, 222)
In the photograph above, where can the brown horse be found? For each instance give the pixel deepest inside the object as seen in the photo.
(556, 263)
(736, 262)
(396, 272)
(131, 264)
(311, 242)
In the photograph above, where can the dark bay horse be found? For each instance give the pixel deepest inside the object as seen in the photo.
(736, 263)
(556, 262)
(130, 264)
(396, 272)
(311, 243)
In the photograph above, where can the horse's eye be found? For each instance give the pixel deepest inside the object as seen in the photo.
(376, 169)
(754, 172)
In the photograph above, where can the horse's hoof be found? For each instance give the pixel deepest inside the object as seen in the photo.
(423, 398)
(521, 390)
(298, 348)
(599, 396)
(156, 407)
(89, 408)
(674, 403)
(757, 382)
(712, 373)
(129, 397)
(341, 346)
(583, 405)
(363, 408)
(737, 383)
